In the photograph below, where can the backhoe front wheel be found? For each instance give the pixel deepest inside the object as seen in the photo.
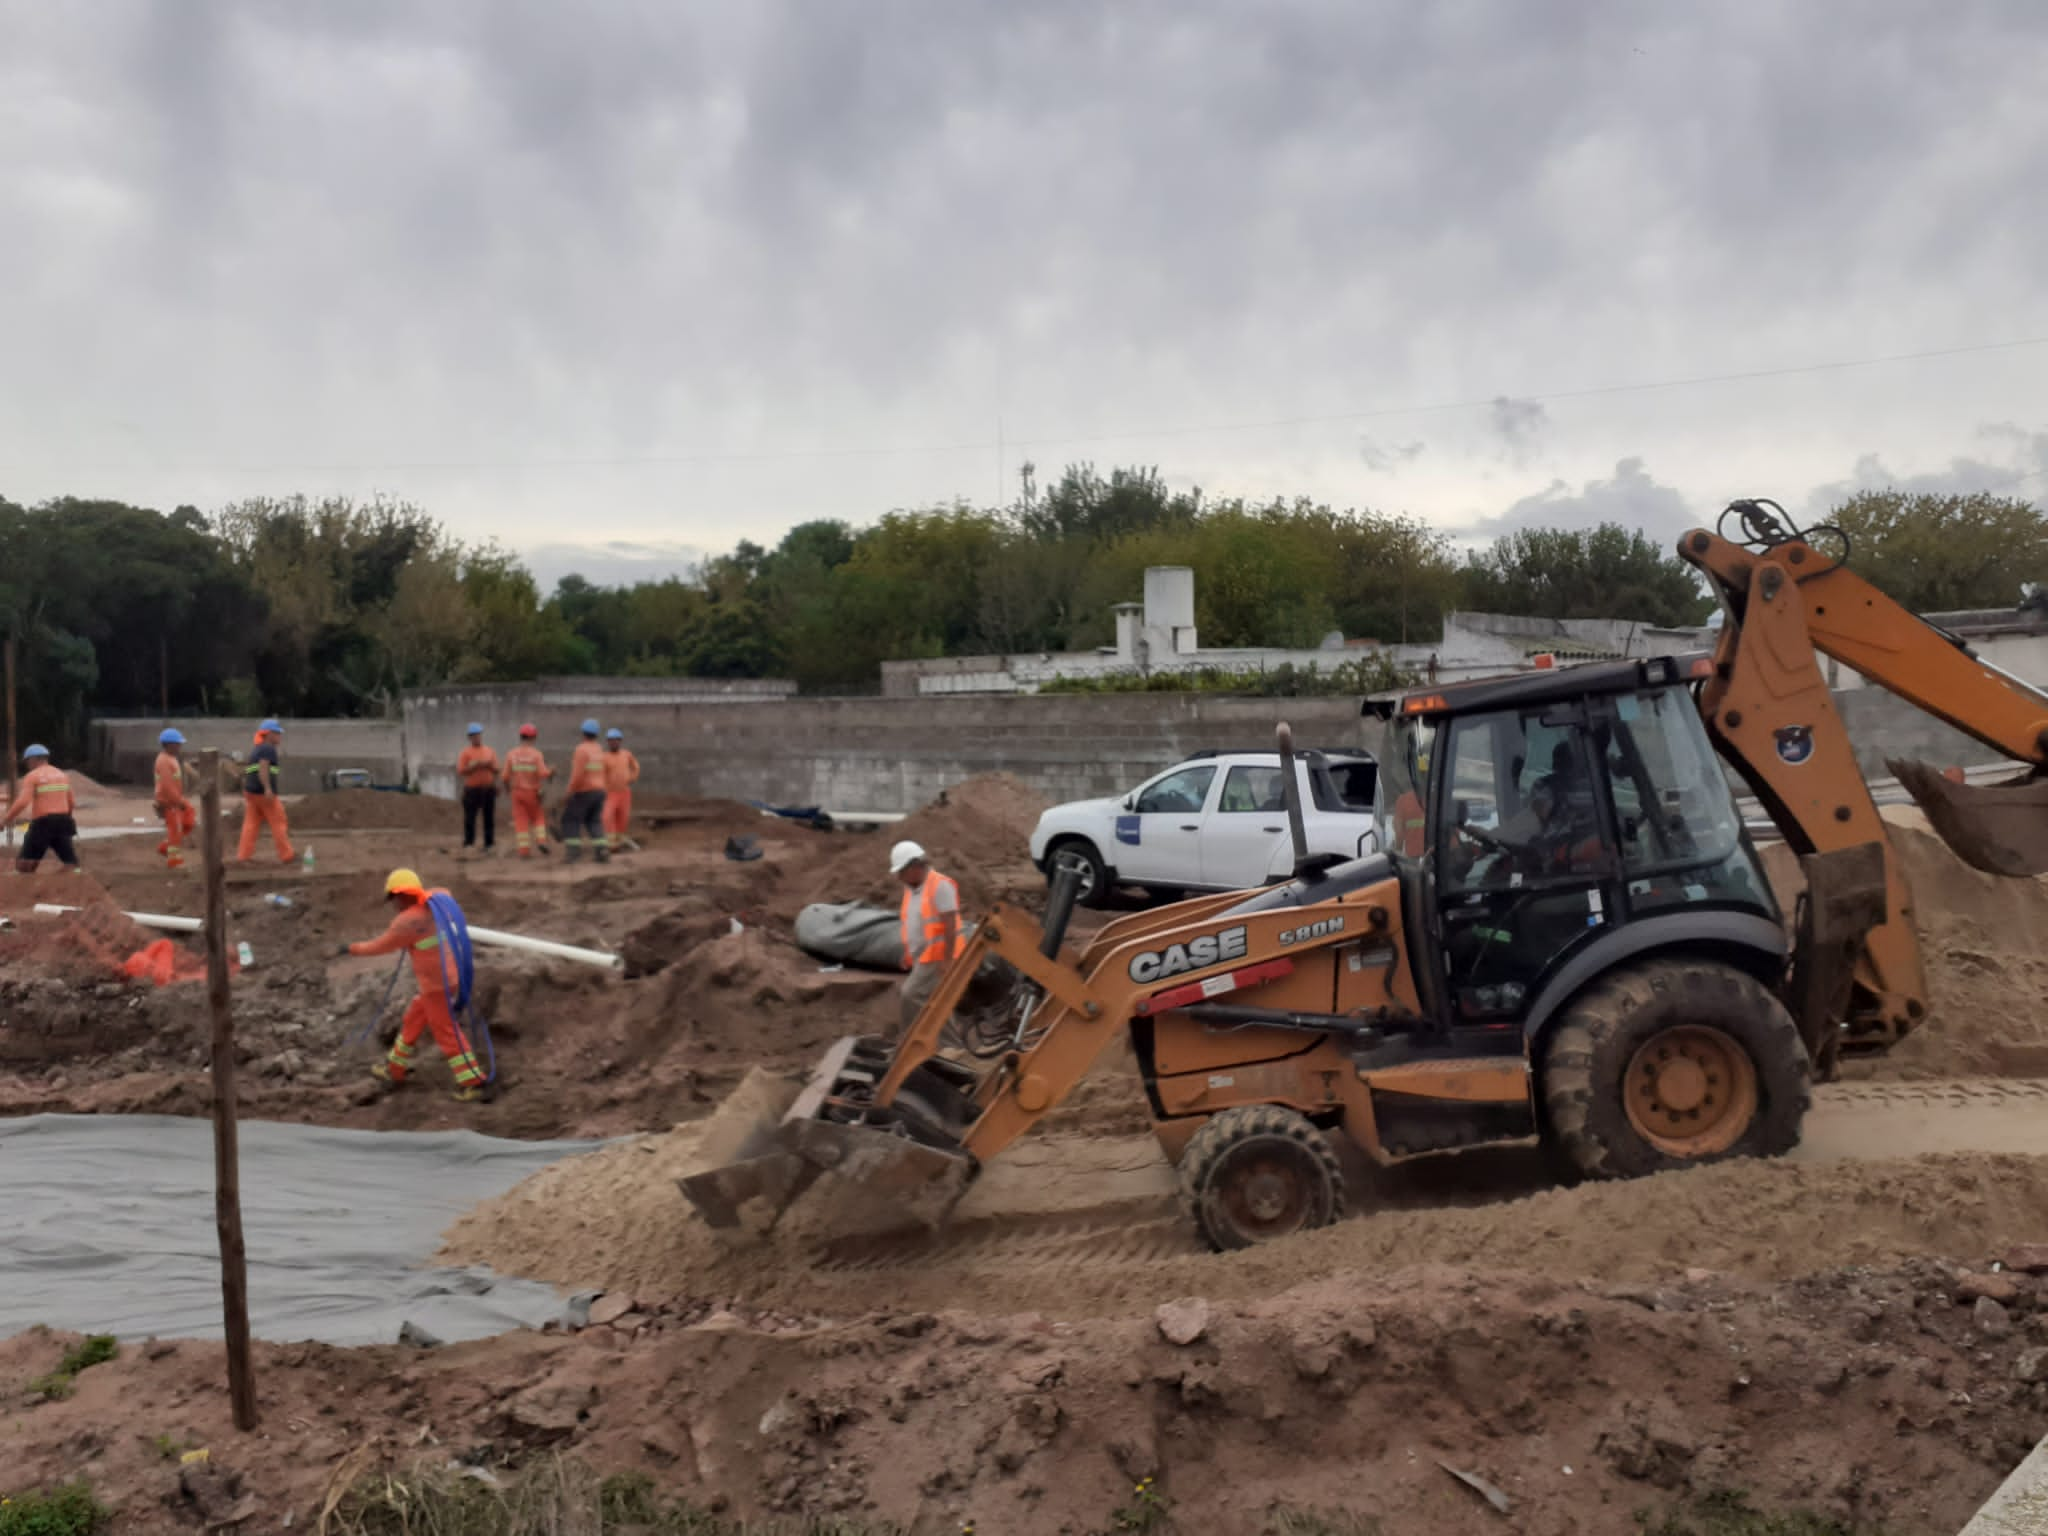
(1259, 1172)
(1672, 1063)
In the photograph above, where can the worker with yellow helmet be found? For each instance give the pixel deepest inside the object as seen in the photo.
(414, 932)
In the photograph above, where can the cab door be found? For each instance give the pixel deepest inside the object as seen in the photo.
(1248, 823)
(1524, 862)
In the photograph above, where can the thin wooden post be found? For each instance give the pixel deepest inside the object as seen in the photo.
(13, 752)
(227, 1176)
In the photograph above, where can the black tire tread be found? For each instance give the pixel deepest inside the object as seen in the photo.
(1229, 1128)
(1597, 1016)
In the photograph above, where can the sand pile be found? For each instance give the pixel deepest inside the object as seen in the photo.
(349, 810)
(979, 832)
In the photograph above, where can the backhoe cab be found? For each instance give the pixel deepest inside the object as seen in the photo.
(1568, 937)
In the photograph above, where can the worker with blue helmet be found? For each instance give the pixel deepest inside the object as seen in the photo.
(173, 804)
(583, 810)
(476, 770)
(45, 801)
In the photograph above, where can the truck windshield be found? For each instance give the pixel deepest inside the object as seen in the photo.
(1404, 788)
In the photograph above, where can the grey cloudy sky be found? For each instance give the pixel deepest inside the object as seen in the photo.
(647, 277)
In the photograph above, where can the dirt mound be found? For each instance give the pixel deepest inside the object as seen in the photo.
(91, 944)
(1871, 1399)
(979, 832)
(350, 810)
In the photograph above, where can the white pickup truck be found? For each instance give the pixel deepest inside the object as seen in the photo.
(1214, 822)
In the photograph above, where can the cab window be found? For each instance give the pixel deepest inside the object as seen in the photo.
(1179, 793)
(1404, 792)
(1520, 807)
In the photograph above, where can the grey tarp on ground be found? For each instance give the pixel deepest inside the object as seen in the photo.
(855, 935)
(109, 1224)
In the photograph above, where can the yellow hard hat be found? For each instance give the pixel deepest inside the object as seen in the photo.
(405, 882)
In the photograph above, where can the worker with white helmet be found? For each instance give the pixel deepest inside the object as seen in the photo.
(45, 798)
(930, 924)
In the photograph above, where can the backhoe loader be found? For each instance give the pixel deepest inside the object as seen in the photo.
(1566, 937)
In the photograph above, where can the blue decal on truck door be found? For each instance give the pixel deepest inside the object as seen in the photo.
(1127, 829)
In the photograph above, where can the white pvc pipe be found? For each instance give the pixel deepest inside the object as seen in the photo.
(145, 919)
(491, 936)
(596, 957)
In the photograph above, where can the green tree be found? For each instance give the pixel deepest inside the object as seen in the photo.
(1934, 553)
(1606, 572)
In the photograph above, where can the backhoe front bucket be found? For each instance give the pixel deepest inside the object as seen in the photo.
(770, 1142)
(2001, 829)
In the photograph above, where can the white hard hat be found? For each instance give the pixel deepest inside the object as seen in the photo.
(903, 855)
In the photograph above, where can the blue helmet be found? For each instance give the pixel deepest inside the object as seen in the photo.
(615, 734)
(269, 726)
(38, 750)
(475, 729)
(590, 727)
(172, 737)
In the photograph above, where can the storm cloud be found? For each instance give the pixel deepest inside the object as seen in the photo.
(677, 276)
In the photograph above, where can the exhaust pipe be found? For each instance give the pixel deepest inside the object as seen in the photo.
(1290, 796)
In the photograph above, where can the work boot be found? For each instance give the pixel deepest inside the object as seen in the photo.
(571, 854)
(382, 1072)
(602, 854)
(468, 1093)
(547, 850)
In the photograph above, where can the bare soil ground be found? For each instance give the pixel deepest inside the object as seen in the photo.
(1823, 1331)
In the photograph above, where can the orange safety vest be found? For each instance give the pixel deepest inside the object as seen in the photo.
(586, 769)
(525, 767)
(931, 927)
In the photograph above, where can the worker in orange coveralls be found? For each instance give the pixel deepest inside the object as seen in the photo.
(45, 798)
(260, 805)
(526, 770)
(179, 817)
(621, 772)
(476, 766)
(413, 930)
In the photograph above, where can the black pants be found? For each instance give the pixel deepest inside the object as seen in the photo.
(583, 822)
(48, 834)
(480, 801)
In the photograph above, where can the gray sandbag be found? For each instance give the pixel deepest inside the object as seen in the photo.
(868, 937)
(852, 934)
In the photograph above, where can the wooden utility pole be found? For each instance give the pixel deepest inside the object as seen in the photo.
(13, 752)
(227, 1175)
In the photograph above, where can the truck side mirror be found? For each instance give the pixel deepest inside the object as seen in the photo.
(1462, 808)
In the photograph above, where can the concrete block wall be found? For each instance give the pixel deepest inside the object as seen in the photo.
(124, 751)
(871, 754)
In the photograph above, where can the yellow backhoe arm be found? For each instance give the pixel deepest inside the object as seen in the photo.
(1770, 711)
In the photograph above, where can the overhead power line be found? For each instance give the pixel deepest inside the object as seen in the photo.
(1076, 439)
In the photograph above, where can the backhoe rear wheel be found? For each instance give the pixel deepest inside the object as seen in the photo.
(1672, 1063)
(1258, 1172)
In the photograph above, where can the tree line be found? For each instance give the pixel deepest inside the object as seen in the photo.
(335, 607)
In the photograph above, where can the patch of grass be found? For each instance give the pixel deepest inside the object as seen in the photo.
(1729, 1513)
(1145, 1510)
(1317, 1522)
(556, 1496)
(66, 1510)
(96, 1350)
(168, 1446)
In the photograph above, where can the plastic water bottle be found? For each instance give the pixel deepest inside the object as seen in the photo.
(245, 954)
(275, 900)
(305, 863)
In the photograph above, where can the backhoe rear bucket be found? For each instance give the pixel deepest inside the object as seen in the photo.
(2001, 829)
(770, 1142)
